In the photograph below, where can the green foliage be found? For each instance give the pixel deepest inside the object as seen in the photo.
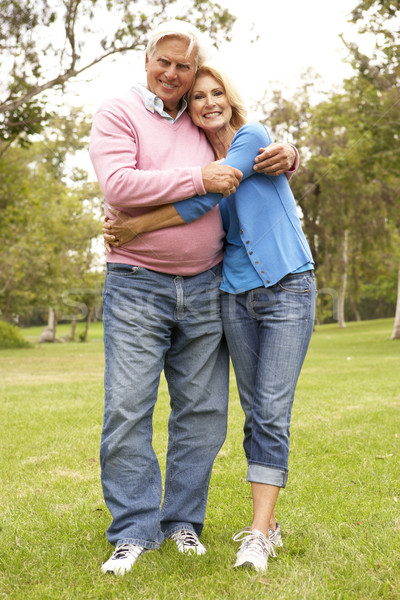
(11, 337)
(22, 122)
(49, 216)
(339, 512)
(381, 69)
(380, 18)
(348, 184)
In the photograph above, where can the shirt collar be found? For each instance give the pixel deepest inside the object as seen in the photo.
(154, 104)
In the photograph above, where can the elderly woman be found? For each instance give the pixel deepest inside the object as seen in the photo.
(268, 295)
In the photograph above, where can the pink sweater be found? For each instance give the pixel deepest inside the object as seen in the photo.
(142, 160)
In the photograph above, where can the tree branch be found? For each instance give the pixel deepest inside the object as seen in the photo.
(57, 81)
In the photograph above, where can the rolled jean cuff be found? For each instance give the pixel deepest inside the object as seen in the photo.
(267, 475)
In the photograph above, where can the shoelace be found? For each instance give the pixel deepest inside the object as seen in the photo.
(185, 536)
(255, 539)
(125, 550)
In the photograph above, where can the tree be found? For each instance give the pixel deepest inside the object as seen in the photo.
(355, 220)
(347, 188)
(381, 19)
(344, 203)
(45, 44)
(48, 220)
(83, 302)
(382, 70)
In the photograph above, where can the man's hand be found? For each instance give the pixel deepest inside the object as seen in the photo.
(221, 179)
(275, 159)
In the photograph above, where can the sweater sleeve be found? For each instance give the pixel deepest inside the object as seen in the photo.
(245, 146)
(114, 152)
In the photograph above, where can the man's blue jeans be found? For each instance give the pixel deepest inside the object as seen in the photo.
(268, 331)
(155, 321)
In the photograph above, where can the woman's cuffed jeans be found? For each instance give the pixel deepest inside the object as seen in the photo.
(155, 321)
(268, 331)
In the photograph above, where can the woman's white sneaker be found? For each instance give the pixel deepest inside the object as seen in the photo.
(122, 559)
(255, 548)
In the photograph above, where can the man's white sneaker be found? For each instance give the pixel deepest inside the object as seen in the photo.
(254, 549)
(188, 542)
(275, 536)
(122, 559)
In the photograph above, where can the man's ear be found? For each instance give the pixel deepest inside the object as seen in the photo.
(146, 62)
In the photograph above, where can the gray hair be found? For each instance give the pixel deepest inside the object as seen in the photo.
(184, 30)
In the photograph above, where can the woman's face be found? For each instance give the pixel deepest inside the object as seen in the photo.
(208, 106)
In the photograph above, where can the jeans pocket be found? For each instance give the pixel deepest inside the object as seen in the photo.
(296, 283)
(216, 273)
(121, 269)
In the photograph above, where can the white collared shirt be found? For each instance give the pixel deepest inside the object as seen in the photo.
(154, 104)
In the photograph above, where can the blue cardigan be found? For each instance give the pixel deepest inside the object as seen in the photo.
(269, 225)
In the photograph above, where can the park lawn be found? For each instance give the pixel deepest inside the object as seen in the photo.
(339, 513)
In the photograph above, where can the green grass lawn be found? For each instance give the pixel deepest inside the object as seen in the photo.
(340, 513)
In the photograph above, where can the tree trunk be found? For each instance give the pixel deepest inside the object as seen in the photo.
(355, 309)
(396, 328)
(89, 318)
(73, 324)
(342, 292)
(52, 322)
(49, 333)
(6, 313)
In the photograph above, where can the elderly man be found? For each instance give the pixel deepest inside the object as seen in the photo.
(161, 305)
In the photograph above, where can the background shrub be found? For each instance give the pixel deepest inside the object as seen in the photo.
(11, 337)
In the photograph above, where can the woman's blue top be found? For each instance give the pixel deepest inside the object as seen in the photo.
(264, 238)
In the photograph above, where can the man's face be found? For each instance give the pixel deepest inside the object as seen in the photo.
(170, 72)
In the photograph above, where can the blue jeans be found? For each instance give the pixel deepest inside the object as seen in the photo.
(155, 321)
(268, 331)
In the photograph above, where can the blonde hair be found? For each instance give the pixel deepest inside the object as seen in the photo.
(239, 112)
(182, 30)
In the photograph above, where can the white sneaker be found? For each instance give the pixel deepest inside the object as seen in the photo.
(122, 559)
(188, 542)
(254, 549)
(275, 536)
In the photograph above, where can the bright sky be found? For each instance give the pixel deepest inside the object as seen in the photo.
(293, 36)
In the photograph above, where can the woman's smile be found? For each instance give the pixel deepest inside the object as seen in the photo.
(211, 115)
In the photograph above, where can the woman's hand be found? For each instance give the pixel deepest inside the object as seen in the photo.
(118, 231)
(122, 229)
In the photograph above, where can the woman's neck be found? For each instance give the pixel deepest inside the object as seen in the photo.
(221, 140)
